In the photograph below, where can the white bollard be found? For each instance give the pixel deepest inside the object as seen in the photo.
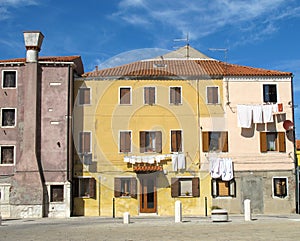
(126, 218)
(247, 209)
(178, 212)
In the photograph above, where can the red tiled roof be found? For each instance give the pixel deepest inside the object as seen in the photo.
(44, 58)
(76, 59)
(183, 67)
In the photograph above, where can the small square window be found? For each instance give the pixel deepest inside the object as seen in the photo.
(222, 188)
(185, 187)
(215, 141)
(270, 93)
(212, 95)
(175, 95)
(7, 154)
(9, 79)
(85, 187)
(125, 187)
(280, 187)
(150, 141)
(56, 193)
(84, 96)
(176, 141)
(149, 95)
(125, 96)
(8, 117)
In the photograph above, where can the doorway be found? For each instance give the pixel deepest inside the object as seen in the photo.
(148, 194)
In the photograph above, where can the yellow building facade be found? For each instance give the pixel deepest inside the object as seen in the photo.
(138, 144)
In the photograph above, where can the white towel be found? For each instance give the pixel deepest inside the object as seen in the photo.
(275, 108)
(126, 159)
(244, 115)
(151, 160)
(214, 167)
(227, 173)
(175, 162)
(268, 113)
(132, 160)
(181, 161)
(257, 114)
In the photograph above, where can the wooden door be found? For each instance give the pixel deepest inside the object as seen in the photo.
(148, 197)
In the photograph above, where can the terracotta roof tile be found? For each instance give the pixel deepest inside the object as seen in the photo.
(191, 68)
(148, 168)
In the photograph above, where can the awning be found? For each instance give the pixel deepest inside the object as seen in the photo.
(147, 168)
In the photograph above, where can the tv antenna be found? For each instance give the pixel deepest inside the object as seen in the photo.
(187, 41)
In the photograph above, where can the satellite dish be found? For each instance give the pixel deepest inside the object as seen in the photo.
(288, 125)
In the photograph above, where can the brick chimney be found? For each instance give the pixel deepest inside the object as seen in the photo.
(33, 42)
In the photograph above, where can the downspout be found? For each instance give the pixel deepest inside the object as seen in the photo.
(295, 154)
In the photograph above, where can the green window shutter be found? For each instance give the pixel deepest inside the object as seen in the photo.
(263, 142)
(174, 187)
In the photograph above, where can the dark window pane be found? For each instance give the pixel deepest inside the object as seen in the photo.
(125, 96)
(7, 155)
(270, 93)
(9, 79)
(8, 117)
(57, 193)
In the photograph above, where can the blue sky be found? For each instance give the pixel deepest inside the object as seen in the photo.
(257, 33)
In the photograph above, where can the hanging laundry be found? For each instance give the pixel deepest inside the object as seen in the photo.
(181, 161)
(227, 173)
(244, 115)
(214, 167)
(268, 113)
(257, 114)
(175, 162)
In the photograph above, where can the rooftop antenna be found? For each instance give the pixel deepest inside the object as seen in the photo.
(187, 40)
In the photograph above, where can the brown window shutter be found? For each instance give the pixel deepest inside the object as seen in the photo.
(133, 187)
(142, 141)
(195, 187)
(151, 95)
(224, 138)
(87, 96)
(263, 142)
(177, 95)
(92, 187)
(174, 187)
(125, 141)
(205, 141)
(122, 142)
(117, 189)
(87, 142)
(173, 141)
(179, 141)
(281, 142)
(158, 142)
(75, 187)
(172, 95)
(125, 96)
(223, 188)
(146, 95)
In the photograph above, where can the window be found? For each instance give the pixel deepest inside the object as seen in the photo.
(149, 95)
(185, 187)
(7, 155)
(125, 141)
(176, 141)
(272, 141)
(8, 117)
(270, 93)
(215, 141)
(125, 96)
(150, 141)
(280, 187)
(56, 193)
(125, 187)
(9, 79)
(84, 96)
(222, 188)
(84, 142)
(175, 95)
(212, 95)
(85, 187)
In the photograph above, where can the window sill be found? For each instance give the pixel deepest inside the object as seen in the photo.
(223, 197)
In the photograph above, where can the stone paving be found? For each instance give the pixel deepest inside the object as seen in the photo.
(262, 227)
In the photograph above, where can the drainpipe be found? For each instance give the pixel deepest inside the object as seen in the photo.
(295, 155)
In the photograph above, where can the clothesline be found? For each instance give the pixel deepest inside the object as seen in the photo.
(221, 167)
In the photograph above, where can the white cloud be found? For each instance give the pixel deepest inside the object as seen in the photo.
(202, 18)
(5, 5)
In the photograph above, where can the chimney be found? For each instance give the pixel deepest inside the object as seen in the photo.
(33, 42)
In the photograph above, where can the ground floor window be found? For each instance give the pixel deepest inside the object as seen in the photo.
(56, 193)
(185, 187)
(125, 187)
(85, 187)
(222, 188)
(280, 185)
(7, 155)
